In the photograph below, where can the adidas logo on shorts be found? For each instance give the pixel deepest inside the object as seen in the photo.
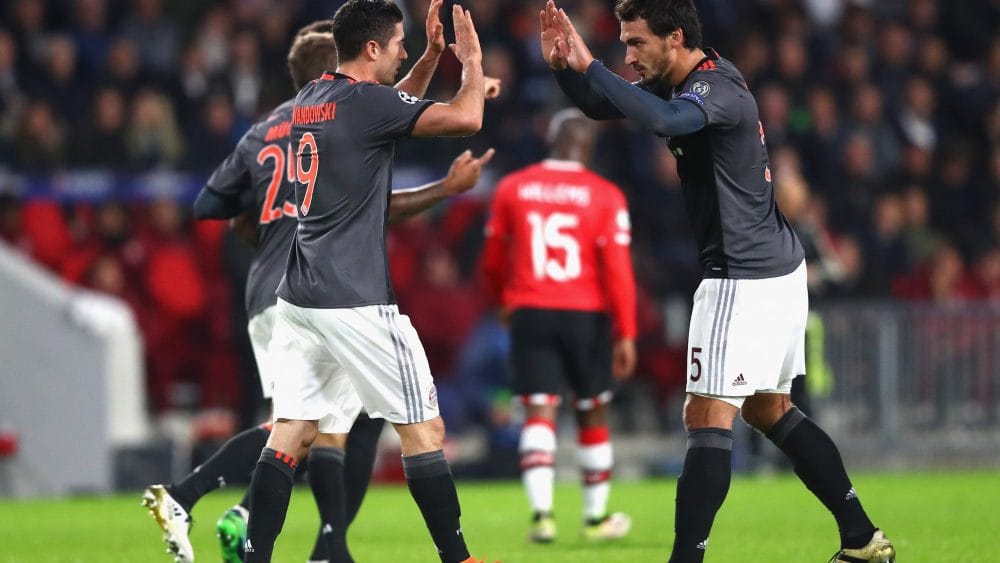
(739, 380)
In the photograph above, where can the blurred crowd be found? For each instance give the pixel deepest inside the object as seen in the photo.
(882, 119)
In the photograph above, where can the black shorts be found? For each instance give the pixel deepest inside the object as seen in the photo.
(551, 349)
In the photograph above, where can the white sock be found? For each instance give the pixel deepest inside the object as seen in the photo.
(595, 459)
(538, 453)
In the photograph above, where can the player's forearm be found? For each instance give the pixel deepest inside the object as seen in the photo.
(592, 104)
(404, 204)
(211, 205)
(653, 113)
(471, 96)
(460, 117)
(246, 227)
(623, 312)
(416, 81)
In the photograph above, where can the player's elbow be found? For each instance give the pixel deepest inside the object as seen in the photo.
(469, 124)
(448, 121)
(593, 112)
(662, 127)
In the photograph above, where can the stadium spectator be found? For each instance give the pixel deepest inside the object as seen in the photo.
(11, 96)
(100, 140)
(122, 68)
(919, 237)
(27, 18)
(153, 138)
(154, 34)
(243, 76)
(867, 117)
(41, 140)
(91, 34)
(218, 131)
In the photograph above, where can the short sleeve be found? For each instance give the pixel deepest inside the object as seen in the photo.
(717, 95)
(231, 178)
(390, 113)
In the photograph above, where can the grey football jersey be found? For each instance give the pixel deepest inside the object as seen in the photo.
(260, 165)
(344, 134)
(726, 179)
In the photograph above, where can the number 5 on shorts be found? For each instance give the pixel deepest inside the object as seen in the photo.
(695, 364)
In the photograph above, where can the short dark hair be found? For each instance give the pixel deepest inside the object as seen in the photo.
(318, 26)
(359, 21)
(310, 55)
(663, 17)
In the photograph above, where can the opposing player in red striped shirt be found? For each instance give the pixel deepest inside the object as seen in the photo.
(557, 258)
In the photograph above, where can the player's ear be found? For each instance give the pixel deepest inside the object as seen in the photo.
(676, 38)
(372, 49)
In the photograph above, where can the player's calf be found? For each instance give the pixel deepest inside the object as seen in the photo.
(271, 486)
(429, 479)
(818, 464)
(538, 449)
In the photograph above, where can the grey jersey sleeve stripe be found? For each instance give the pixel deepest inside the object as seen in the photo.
(383, 312)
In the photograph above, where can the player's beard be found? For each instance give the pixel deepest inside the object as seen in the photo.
(656, 84)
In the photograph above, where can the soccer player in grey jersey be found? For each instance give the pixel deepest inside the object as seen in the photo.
(338, 335)
(746, 338)
(252, 187)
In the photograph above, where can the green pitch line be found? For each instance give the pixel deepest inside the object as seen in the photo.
(931, 517)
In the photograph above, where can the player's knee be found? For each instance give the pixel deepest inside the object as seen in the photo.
(435, 432)
(330, 441)
(753, 418)
(548, 412)
(422, 437)
(763, 411)
(593, 417)
(292, 436)
(706, 412)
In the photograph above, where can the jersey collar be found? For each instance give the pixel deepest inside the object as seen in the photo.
(564, 165)
(706, 63)
(333, 75)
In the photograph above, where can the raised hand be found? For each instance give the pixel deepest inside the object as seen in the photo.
(466, 46)
(578, 57)
(552, 38)
(464, 172)
(435, 29)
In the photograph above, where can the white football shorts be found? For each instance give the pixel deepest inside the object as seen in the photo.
(747, 336)
(333, 362)
(260, 328)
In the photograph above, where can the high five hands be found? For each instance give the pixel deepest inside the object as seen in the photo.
(466, 46)
(562, 46)
(436, 43)
(435, 29)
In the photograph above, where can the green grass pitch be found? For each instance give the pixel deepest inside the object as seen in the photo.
(931, 517)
